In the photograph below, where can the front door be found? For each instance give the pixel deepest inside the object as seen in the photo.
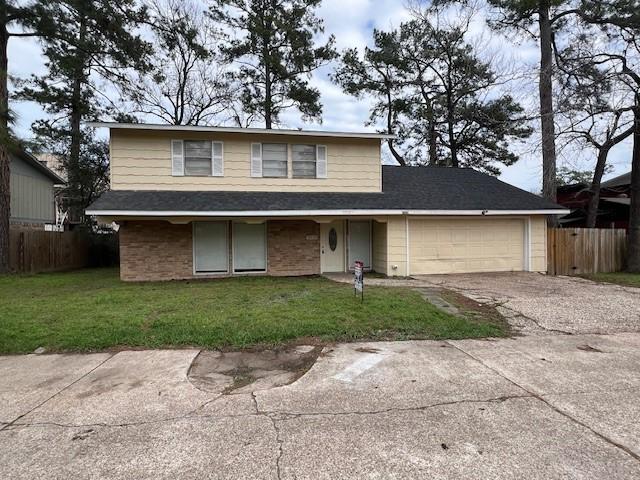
(332, 246)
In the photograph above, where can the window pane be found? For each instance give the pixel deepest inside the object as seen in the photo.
(210, 247)
(274, 159)
(249, 247)
(197, 157)
(304, 161)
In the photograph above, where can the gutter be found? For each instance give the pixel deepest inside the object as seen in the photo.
(298, 213)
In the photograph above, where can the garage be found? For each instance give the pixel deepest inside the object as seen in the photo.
(463, 245)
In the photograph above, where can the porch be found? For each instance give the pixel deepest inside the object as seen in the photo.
(178, 249)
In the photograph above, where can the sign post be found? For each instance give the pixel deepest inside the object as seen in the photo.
(358, 279)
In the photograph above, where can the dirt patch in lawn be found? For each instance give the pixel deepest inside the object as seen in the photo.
(475, 311)
(250, 370)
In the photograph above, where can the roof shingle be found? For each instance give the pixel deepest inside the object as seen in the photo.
(404, 188)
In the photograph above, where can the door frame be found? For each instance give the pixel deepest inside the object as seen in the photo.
(344, 244)
(348, 245)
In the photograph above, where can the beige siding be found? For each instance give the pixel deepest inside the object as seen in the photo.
(396, 246)
(379, 247)
(141, 160)
(32, 197)
(539, 243)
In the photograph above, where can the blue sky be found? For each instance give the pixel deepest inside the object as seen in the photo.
(352, 21)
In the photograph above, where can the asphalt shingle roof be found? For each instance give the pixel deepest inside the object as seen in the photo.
(404, 188)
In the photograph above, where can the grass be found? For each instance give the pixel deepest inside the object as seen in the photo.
(90, 310)
(621, 278)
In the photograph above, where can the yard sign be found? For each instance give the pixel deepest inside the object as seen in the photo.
(358, 278)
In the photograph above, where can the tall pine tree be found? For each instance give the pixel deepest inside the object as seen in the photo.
(437, 96)
(88, 45)
(272, 41)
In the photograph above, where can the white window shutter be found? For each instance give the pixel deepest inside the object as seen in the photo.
(321, 161)
(217, 160)
(177, 158)
(256, 159)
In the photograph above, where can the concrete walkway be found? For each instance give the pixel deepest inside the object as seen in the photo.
(538, 407)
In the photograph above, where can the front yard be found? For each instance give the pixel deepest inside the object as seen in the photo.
(92, 310)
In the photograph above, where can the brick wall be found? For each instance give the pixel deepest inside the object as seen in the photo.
(155, 250)
(293, 247)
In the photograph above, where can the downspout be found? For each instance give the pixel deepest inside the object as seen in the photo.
(406, 225)
(527, 258)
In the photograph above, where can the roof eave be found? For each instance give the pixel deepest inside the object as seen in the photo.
(258, 131)
(319, 213)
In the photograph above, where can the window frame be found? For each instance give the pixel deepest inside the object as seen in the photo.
(286, 159)
(185, 157)
(315, 161)
(233, 250)
(193, 249)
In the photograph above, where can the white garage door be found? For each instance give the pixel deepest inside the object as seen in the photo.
(466, 245)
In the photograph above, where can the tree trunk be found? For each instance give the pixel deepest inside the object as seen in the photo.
(453, 148)
(267, 98)
(75, 120)
(549, 188)
(266, 33)
(399, 158)
(5, 185)
(633, 245)
(594, 200)
(433, 143)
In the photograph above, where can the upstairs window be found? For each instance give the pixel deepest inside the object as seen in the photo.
(271, 159)
(197, 157)
(274, 160)
(304, 161)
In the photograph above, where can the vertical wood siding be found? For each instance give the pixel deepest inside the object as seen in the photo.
(576, 251)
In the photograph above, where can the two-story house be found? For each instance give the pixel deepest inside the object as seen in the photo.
(207, 201)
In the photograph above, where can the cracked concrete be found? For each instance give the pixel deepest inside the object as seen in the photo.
(539, 304)
(552, 406)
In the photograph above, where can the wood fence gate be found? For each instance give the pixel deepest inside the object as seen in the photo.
(575, 251)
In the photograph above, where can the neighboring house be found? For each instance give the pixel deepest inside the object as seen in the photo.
(207, 201)
(613, 208)
(32, 191)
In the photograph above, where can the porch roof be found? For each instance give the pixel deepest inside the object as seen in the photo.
(406, 190)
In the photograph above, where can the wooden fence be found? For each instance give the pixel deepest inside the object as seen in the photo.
(32, 251)
(576, 251)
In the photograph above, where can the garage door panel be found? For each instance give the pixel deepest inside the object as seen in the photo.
(466, 245)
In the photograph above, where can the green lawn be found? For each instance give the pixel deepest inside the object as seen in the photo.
(92, 310)
(621, 278)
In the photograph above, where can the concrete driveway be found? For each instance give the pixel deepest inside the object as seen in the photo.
(540, 304)
(535, 407)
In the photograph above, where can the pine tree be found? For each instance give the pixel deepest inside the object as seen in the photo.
(88, 45)
(272, 41)
(432, 88)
